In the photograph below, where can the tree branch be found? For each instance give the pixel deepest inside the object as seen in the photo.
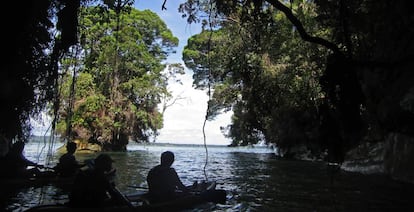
(303, 34)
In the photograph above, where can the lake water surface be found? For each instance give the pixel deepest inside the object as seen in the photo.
(254, 178)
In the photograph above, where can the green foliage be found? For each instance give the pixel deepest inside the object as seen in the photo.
(26, 79)
(362, 81)
(122, 79)
(261, 70)
(252, 54)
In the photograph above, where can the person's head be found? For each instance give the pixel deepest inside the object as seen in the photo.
(71, 147)
(167, 158)
(103, 163)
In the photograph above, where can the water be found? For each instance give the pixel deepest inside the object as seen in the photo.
(254, 178)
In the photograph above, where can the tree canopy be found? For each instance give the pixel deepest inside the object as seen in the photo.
(262, 71)
(118, 75)
(298, 73)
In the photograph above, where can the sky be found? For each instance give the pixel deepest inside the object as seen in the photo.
(183, 121)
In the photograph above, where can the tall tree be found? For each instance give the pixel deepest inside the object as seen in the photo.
(363, 37)
(270, 82)
(123, 66)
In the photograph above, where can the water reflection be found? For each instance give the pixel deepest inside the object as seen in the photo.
(254, 179)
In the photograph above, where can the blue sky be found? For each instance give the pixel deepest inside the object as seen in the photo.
(174, 21)
(183, 122)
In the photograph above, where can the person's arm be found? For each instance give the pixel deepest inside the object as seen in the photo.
(178, 183)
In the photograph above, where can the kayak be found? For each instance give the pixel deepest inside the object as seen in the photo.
(188, 202)
(139, 202)
(185, 201)
(143, 197)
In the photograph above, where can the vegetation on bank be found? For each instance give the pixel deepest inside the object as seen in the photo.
(310, 76)
(114, 78)
(323, 75)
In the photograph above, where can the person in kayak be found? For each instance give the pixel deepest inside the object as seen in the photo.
(163, 181)
(17, 165)
(68, 166)
(95, 187)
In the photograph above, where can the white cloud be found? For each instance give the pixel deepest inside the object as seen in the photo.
(183, 121)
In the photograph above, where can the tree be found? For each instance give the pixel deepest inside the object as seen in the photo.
(123, 76)
(351, 30)
(25, 79)
(261, 77)
(369, 42)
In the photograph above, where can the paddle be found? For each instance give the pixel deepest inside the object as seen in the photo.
(41, 171)
(46, 168)
(138, 187)
(123, 198)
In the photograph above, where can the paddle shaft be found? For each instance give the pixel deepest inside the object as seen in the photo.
(140, 187)
(123, 197)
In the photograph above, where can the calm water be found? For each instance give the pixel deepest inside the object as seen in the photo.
(255, 180)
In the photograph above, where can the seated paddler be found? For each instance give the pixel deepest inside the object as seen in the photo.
(163, 181)
(95, 187)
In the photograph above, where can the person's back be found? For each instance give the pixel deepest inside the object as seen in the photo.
(163, 180)
(68, 165)
(162, 183)
(91, 187)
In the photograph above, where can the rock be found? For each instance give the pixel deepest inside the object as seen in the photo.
(367, 158)
(399, 157)
(393, 157)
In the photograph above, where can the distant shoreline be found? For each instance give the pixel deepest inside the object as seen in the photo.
(37, 138)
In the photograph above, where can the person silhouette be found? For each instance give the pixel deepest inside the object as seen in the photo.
(95, 187)
(17, 165)
(68, 166)
(163, 181)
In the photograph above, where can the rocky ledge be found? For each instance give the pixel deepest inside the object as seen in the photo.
(393, 157)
